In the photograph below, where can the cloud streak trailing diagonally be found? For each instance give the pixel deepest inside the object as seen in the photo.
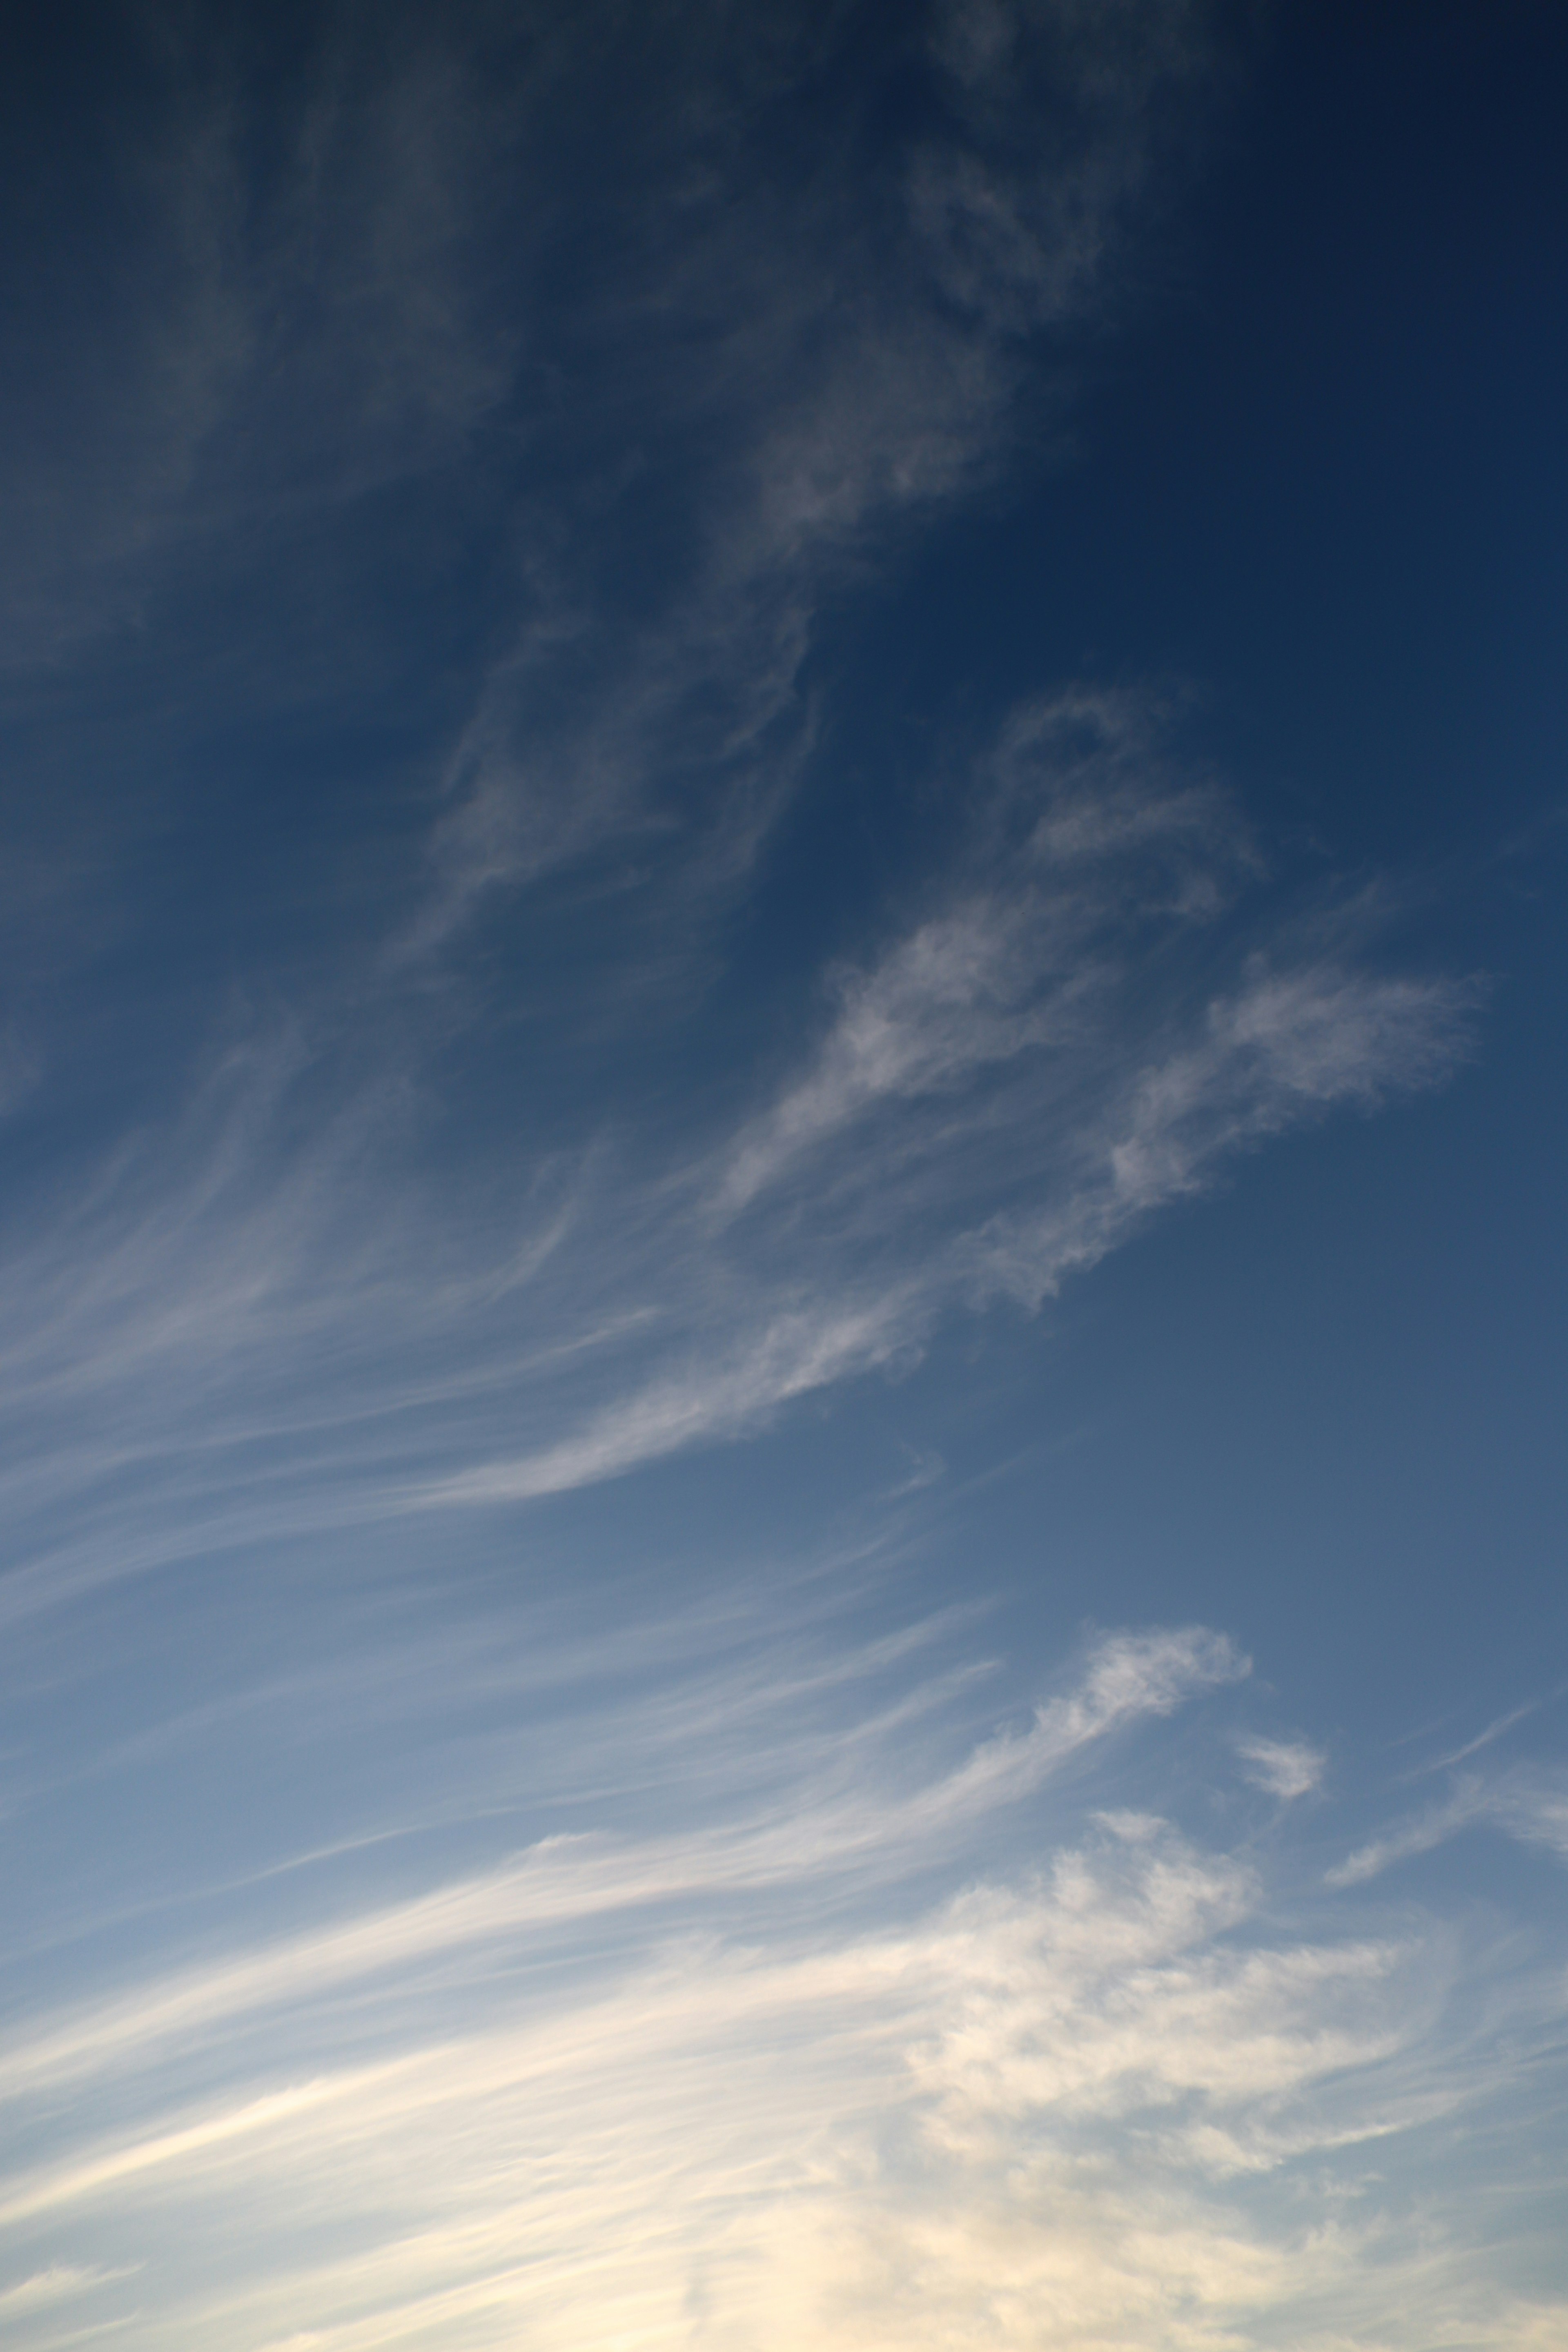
(790, 2106)
(589, 1760)
(1004, 1094)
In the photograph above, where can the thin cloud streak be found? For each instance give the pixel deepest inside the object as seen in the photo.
(1075, 2098)
(862, 367)
(568, 1880)
(547, 1019)
(1528, 1804)
(1010, 1090)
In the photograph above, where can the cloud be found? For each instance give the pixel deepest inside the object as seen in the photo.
(745, 1974)
(336, 1285)
(1493, 1730)
(940, 1007)
(1278, 1053)
(1127, 1678)
(1275, 1054)
(835, 346)
(793, 1355)
(274, 341)
(1285, 1768)
(565, 1880)
(1420, 1834)
(1533, 1806)
(46, 2288)
(1100, 2091)
(1525, 1802)
(287, 1308)
(1004, 1046)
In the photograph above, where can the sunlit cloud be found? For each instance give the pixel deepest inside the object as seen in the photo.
(577, 1770)
(1048, 2104)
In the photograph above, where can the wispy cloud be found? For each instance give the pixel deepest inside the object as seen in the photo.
(1285, 1768)
(47, 2288)
(815, 370)
(309, 1299)
(566, 1881)
(277, 342)
(614, 2088)
(1522, 1803)
(1005, 1047)
(272, 1316)
(464, 1905)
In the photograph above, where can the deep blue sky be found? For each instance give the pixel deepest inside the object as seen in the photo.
(783, 1339)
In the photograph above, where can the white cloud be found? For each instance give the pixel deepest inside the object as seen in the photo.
(1534, 1808)
(565, 1880)
(795, 1353)
(1276, 1054)
(1527, 1804)
(872, 2033)
(1419, 1835)
(1021, 2120)
(1286, 1767)
(46, 2288)
(942, 1004)
(1001, 1096)
(815, 2009)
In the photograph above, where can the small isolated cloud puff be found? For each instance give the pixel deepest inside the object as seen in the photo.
(1285, 1768)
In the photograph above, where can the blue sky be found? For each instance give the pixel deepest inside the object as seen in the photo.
(782, 1337)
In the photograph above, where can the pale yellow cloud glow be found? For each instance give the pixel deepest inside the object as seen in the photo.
(1101, 2103)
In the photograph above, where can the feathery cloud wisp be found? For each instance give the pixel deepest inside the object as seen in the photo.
(1062, 2100)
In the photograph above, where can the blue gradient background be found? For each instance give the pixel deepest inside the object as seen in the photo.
(781, 1256)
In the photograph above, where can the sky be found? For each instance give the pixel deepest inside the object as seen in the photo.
(781, 1276)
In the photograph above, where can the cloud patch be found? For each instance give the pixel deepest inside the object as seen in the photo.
(1287, 1768)
(614, 2091)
